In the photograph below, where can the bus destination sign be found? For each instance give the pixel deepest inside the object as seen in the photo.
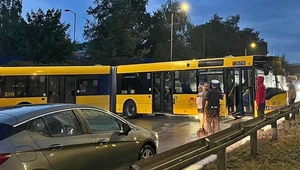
(239, 63)
(210, 63)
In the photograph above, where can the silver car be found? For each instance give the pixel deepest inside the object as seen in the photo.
(69, 136)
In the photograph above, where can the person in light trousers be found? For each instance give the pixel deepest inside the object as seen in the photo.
(199, 102)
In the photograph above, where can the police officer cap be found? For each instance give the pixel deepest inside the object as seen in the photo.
(215, 82)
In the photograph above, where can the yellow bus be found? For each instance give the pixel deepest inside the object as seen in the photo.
(171, 87)
(153, 88)
(55, 84)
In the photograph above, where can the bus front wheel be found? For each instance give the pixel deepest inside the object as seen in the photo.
(130, 109)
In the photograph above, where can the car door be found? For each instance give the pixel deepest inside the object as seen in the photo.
(62, 141)
(106, 132)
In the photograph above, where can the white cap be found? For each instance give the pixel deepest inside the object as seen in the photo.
(215, 81)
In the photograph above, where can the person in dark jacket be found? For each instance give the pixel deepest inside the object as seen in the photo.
(260, 96)
(291, 91)
(212, 107)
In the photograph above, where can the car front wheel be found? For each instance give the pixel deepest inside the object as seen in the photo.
(146, 152)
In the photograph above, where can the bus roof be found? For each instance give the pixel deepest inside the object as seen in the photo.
(211, 63)
(54, 70)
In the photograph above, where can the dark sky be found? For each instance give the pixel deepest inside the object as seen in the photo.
(277, 21)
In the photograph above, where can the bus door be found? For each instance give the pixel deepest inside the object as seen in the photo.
(247, 90)
(162, 92)
(234, 91)
(239, 91)
(61, 89)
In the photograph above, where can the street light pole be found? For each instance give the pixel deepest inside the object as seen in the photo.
(171, 39)
(252, 45)
(67, 10)
(75, 27)
(184, 7)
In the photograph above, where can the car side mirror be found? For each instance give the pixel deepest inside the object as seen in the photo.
(126, 128)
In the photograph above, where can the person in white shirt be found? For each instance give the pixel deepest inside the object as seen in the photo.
(199, 102)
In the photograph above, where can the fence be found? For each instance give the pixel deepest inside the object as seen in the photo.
(217, 143)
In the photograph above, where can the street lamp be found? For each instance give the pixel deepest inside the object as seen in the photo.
(68, 10)
(252, 45)
(184, 7)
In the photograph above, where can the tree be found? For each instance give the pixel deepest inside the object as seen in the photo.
(120, 30)
(219, 38)
(159, 41)
(46, 36)
(11, 28)
(42, 38)
(285, 63)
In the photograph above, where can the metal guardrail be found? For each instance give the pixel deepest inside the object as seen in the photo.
(190, 153)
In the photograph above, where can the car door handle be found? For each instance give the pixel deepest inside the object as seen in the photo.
(102, 141)
(56, 146)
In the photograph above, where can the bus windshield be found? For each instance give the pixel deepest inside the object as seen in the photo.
(270, 80)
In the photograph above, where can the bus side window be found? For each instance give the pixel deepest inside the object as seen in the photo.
(90, 85)
(185, 82)
(186, 88)
(15, 86)
(134, 83)
(37, 86)
(206, 76)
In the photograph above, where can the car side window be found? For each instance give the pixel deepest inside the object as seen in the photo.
(99, 121)
(39, 126)
(63, 123)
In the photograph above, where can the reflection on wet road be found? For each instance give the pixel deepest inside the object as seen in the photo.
(174, 131)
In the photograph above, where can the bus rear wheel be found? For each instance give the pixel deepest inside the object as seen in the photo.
(130, 109)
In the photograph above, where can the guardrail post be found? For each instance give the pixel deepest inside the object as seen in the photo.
(253, 144)
(274, 130)
(287, 123)
(297, 116)
(293, 117)
(221, 159)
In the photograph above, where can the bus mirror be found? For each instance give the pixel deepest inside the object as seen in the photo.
(266, 69)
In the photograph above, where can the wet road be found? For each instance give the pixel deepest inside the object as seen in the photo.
(177, 130)
(174, 131)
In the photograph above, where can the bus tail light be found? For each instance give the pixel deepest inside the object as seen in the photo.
(4, 157)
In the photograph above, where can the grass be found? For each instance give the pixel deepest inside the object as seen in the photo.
(281, 154)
